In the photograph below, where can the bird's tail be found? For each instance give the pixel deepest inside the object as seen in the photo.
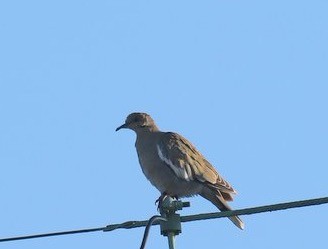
(216, 198)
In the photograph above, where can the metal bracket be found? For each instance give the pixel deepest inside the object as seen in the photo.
(172, 226)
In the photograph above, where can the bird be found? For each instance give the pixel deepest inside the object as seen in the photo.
(175, 167)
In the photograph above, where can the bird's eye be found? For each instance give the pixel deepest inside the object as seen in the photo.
(136, 120)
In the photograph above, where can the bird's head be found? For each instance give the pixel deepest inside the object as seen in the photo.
(139, 121)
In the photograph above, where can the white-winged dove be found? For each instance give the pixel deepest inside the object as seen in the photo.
(175, 167)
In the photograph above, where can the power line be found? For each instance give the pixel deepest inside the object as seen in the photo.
(256, 210)
(53, 234)
(188, 218)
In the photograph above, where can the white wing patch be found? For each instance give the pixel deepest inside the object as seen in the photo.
(182, 172)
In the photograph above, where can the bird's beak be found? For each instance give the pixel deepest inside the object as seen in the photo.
(122, 127)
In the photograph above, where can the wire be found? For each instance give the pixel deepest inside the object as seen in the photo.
(188, 218)
(149, 224)
(256, 210)
(53, 234)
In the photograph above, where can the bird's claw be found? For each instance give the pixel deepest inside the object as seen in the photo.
(159, 201)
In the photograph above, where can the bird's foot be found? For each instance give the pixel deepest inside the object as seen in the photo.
(160, 199)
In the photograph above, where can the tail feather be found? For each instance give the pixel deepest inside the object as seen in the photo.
(216, 198)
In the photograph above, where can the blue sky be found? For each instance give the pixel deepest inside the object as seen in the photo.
(246, 82)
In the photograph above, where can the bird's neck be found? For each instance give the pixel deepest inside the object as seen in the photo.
(145, 137)
(147, 129)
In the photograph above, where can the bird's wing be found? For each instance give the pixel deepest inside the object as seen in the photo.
(187, 163)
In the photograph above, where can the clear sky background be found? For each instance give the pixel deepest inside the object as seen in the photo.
(245, 81)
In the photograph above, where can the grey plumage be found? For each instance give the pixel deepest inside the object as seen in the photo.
(175, 167)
